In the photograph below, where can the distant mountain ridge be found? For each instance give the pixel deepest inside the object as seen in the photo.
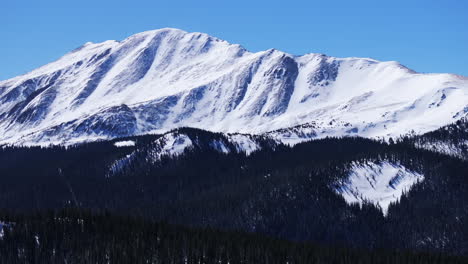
(156, 81)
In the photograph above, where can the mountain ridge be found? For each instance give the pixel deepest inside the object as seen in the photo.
(159, 80)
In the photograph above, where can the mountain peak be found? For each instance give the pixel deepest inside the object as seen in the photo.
(154, 32)
(163, 79)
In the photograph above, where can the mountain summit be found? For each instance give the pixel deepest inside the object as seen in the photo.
(159, 80)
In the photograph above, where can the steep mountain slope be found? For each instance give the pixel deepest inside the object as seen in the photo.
(159, 80)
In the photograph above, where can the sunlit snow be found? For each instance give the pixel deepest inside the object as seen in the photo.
(127, 143)
(174, 144)
(244, 143)
(157, 81)
(378, 183)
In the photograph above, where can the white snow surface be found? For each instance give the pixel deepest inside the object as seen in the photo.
(378, 183)
(453, 149)
(127, 143)
(173, 145)
(244, 143)
(156, 81)
(219, 146)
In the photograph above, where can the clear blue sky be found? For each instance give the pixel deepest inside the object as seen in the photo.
(427, 36)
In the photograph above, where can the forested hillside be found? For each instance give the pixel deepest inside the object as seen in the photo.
(451, 139)
(79, 236)
(288, 193)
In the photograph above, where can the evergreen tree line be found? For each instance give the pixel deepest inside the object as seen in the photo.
(82, 236)
(451, 139)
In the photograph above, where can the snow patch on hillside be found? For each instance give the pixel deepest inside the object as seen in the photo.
(173, 144)
(119, 164)
(219, 146)
(244, 143)
(127, 143)
(294, 135)
(459, 149)
(379, 183)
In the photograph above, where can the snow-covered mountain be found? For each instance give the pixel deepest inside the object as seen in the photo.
(155, 81)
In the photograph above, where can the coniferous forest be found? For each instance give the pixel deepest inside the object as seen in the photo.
(96, 203)
(81, 236)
